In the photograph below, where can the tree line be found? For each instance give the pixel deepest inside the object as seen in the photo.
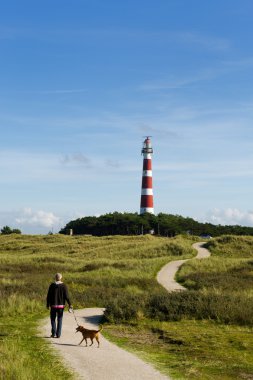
(6, 230)
(162, 224)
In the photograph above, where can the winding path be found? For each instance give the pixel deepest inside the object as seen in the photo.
(109, 362)
(166, 276)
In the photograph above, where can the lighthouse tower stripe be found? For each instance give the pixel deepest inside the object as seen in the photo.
(146, 182)
(147, 173)
(147, 201)
(147, 156)
(147, 164)
(146, 191)
(147, 209)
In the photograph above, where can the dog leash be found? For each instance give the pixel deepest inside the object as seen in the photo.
(71, 310)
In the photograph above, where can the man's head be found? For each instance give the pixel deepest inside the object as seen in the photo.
(58, 277)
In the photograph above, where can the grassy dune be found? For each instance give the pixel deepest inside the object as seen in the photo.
(206, 332)
(225, 279)
(97, 270)
(183, 334)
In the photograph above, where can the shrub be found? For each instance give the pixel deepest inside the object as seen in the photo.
(124, 309)
(226, 308)
(6, 230)
(173, 306)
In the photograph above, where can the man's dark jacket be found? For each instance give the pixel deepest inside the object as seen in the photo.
(57, 294)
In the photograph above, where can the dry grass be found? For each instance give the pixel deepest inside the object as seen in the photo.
(96, 270)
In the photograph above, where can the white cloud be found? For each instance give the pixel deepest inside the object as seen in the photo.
(31, 221)
(37, 218)
(230, 216)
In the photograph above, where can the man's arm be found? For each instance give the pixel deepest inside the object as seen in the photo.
(48, 296)
(67, 295)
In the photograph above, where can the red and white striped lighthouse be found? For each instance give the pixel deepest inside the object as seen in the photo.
(147, 203)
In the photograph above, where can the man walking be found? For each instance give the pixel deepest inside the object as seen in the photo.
(57, 296)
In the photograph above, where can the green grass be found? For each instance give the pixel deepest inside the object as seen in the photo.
(201, 334)
(231, 246)
(97, 270)
(204, 333)
(189, 349)
(24, 355)
(225, 280)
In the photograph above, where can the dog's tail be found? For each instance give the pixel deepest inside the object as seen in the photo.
(100, 328)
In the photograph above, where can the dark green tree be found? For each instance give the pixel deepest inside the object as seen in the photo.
(169, 225)
(6, 230)
(16, 231)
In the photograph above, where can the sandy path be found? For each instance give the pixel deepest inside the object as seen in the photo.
(166, 276)
(109, 362)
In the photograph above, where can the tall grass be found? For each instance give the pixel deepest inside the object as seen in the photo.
(16, 305)
(202, 333)
(97, 271)
(27, 357)
(221, 289)
(231, 246)
(222, 284)
(119, 273)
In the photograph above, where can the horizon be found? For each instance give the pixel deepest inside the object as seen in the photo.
(52, 232)
(82, 83)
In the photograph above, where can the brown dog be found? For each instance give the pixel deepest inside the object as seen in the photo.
(91, 334)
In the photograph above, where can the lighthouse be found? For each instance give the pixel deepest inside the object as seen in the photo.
(147, 202)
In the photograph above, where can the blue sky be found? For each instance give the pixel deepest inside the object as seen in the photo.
(82, 82)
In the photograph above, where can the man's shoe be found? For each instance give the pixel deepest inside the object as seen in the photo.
(53, 336)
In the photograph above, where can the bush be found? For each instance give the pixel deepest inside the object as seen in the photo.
(124, 309)
(225, 308)
(175, 306)
(6, 230)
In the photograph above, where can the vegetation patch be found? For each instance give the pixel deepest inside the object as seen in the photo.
(97, 270)
(23, 354)
(202, 333)
(134, 224)
(189, 349)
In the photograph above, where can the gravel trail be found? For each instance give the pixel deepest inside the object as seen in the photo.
(109, 362)
(166, 276)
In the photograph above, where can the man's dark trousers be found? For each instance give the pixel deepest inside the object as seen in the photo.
(55, 312)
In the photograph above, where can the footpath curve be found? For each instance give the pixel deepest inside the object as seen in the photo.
(166, 276)
(109, 362)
